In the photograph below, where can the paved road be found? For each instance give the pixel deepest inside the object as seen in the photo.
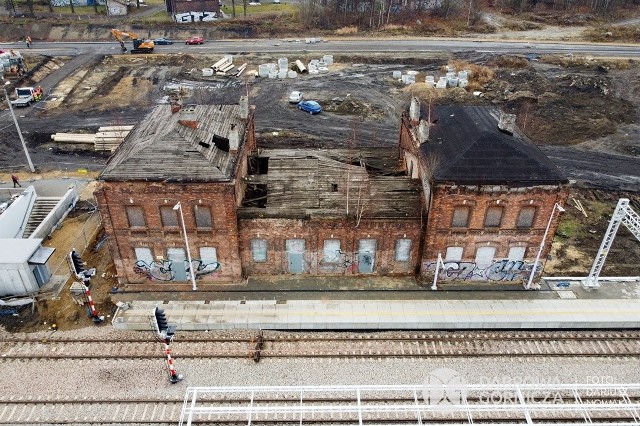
(597, 169)
(347, 46)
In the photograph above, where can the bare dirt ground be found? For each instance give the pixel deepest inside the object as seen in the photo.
(581, 103)
(582, 112)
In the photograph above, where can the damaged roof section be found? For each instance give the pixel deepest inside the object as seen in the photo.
(195, 143)
(319, 184)
(465, 146)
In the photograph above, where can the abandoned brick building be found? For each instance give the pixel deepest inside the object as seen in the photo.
(460, 187)
(488, 191)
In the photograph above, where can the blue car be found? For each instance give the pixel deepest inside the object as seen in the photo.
(162, 40)
(311, 107)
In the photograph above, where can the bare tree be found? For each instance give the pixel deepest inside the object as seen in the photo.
(30, 6)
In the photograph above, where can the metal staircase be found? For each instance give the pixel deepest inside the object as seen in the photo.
(41, 208)
(622, 214)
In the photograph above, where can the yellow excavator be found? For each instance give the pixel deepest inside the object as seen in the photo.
(139, 45)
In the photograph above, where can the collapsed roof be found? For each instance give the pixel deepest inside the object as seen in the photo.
(192, 144)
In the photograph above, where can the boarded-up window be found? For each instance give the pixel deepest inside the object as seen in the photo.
(403, 250)
(525, 218)
(484, 257)
(461, 217)
(494, 217)
(135, 215)
(203, 217)
(169, 216)
(516, 253)
(454, 253)
(144, 254)
(259, 250)
(331, 251)
(208, 255)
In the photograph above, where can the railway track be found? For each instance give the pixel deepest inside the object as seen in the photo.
(288, 345)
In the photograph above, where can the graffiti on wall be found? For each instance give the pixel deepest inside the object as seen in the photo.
(501, 270)
(155, 271)
(163, 270)
(189, 17)
(59, 3)
(202, 269)
(346, 262)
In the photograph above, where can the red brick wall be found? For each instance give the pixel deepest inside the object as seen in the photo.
(440, 234)
(314, 232)
(113, 197)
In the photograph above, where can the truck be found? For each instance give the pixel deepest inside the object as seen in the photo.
(26, 95)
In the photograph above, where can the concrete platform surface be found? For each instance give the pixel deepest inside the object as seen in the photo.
(386, 314)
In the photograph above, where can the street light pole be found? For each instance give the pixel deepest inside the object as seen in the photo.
(435, 277)
(544, 237)
(186, 242)
(15, 121)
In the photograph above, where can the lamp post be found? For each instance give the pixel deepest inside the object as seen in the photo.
(15, 121)
(435, 277)
(186, 242)
(544, 237)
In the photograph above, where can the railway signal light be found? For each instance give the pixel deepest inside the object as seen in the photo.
(163, 329)
(76, 262)
(166, 332)
(78, 267)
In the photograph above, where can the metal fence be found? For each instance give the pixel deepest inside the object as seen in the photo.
(60, 272)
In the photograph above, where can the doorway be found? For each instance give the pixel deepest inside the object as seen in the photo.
(295, 255)
(178, 259)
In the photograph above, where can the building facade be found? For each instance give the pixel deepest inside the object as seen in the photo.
(479, 196)
(194, 156)
(490, 193)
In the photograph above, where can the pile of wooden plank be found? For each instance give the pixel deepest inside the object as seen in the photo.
(108, 138)
(74, 138)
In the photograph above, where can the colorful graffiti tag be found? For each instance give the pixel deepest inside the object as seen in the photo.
(162, 270)
(501, 270)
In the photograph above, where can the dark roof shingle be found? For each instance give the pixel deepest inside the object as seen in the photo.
(466, 147)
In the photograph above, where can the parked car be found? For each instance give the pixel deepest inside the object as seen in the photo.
(295, 97)
(162, 40)
(194, 40)
(311, 107)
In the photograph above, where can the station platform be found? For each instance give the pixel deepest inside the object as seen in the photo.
(613, 306)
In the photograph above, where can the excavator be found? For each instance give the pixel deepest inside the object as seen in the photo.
(139, 45)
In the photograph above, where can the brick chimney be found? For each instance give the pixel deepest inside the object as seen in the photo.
(244, 107)
(234, 139)
(414, 110)
(506, 123)
(423, 131)
(188, 116)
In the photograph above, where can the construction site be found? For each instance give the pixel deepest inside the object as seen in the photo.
(576, 109)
